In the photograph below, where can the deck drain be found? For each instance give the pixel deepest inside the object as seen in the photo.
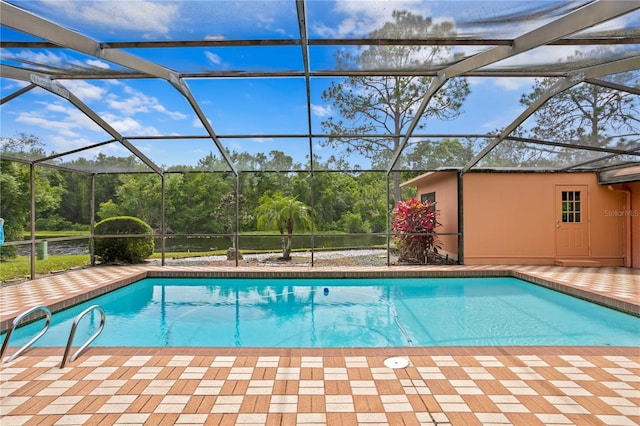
(396, 362)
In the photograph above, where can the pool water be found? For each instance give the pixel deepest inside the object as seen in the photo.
(382, 312)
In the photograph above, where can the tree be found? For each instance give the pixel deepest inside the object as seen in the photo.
(386, 105)
(429, 155)
(140, 195)
(48, 190)
(283, 214)
(371, 200)
(227, 211)
(14, 204)
(15, 189)
(587, 114)
(108, 180)
(333, 197)
(257, 178)
(75, 206)
(191, 198)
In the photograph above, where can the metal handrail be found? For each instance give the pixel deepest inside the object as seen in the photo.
(17, 320)
(73, 332)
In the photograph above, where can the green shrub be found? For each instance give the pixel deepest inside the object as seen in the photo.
(352, 222)
(53, 223)
(125, 249)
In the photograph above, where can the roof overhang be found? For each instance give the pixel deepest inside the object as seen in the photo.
(620, 175)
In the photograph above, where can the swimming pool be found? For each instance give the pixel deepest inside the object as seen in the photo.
(385, 312)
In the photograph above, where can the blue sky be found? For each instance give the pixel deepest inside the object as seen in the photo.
(248, 106)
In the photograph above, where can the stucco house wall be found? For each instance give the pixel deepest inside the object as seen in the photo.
(634, 218)
(445, 187)
(510, 217)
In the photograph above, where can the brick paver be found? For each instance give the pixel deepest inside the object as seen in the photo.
(253, 386)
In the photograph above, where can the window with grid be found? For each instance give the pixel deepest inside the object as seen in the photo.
(431, 197)
(571, 207)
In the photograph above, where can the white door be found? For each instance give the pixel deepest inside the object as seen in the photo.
(572, 220)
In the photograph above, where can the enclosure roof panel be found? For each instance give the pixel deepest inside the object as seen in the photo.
(169, 81)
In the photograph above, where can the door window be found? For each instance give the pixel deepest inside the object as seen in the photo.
(571, 207)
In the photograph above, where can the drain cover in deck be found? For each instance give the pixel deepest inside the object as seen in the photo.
(396, 362)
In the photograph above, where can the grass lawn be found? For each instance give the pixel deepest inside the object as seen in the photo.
(20, 267)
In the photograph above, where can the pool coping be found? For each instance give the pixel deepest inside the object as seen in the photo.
(339, 386)
(533, 385)
(600, 298)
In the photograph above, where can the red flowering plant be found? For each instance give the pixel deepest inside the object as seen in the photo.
(414, 226)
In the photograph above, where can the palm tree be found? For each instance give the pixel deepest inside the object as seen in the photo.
(283, 213)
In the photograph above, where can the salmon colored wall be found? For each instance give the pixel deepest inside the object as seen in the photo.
(445, 185)
(634, 213)
(510, 218)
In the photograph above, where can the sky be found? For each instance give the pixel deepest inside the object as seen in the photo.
(242, 106)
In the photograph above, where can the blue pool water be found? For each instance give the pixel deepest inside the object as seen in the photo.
(341, 313)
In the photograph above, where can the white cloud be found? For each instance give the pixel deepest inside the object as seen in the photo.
(513, 84)
(213, 58)
(63, 126)
(196, 123)
(50, 58)
(38, 121)
(320, 111)
(45, 58)
(9, 85)
(499, 119)
(129, 126)
(540, 55)
(57, 117)
(359, 18)
(176, 115)
(131, 105)
(97, 63)
(626, 21)
(144, 17)
(84, 90)
(137, 102)
(510, 84)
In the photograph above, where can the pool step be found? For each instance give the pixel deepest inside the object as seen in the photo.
(576, 262)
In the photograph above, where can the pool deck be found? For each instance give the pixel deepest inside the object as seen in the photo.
(346, 386)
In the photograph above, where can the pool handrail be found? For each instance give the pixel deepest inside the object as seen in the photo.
(16, 321)
(73, 332)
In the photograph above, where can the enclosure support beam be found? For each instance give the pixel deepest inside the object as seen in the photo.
(14, 17)
(559, 86)
(21, 20)
(32, 219)
(92, 222)
(574, 146)
(304, 45)
(163, 219)
(388, 219)
(606, 157)
(585, 17)
(236, 233)
(16, 93)
(49, 84)
(182, 87)
(460, 219)
(614, 86)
